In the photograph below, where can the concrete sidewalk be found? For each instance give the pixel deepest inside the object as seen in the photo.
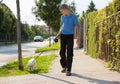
(86, 70)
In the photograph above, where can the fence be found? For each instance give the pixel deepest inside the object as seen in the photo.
(102, 39)
(107, 38)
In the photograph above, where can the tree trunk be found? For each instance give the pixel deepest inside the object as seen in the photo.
(49, 37)
(20, 64)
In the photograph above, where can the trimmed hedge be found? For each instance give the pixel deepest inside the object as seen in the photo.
(103, 34)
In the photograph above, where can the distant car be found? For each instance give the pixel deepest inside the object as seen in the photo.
(38, 38)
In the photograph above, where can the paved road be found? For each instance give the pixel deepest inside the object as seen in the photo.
(9, 53)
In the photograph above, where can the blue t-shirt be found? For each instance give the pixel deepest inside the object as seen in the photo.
(68, 24)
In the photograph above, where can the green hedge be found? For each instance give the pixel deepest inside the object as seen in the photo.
(103, 34)
(92, 33)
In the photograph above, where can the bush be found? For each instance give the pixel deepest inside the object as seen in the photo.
(103, 34)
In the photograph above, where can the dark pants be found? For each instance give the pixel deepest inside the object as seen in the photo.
(66, 51)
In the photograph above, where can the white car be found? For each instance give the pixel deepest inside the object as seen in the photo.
(38, 38)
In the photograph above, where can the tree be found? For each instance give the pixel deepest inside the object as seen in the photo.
(1, 1)
(40, 30)
(64, 1)
(91, 7)
(48, 10)
(8, 26)
(1, 16)
(24, 31)
(7, 23)
(73, 8)
(36, 29)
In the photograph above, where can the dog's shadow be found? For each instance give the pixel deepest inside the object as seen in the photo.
(35, 71)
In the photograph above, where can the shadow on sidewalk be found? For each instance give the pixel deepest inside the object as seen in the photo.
(55, 78)
(93, 80)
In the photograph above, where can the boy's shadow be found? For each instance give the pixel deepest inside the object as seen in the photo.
(94, 80)
(89, 79)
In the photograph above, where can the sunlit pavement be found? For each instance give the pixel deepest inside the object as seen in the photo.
(86, 70)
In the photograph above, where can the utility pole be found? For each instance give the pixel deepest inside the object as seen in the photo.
(20, 63)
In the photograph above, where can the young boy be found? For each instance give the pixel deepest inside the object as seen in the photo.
(66, 34)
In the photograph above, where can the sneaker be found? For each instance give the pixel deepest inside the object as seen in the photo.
(63, 70)
(68, 73)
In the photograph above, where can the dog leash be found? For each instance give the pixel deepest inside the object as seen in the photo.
(38, 55)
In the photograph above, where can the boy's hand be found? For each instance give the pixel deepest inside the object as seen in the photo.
(58, 36)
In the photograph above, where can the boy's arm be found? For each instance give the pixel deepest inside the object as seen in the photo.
(58, 34)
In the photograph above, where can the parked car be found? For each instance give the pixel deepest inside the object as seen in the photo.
(38, 38)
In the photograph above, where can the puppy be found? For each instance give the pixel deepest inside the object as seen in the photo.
(31, 64)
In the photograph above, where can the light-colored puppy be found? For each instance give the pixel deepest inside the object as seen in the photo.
(31, 64)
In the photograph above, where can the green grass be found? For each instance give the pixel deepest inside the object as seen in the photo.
(42, 65)
(54, 46)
